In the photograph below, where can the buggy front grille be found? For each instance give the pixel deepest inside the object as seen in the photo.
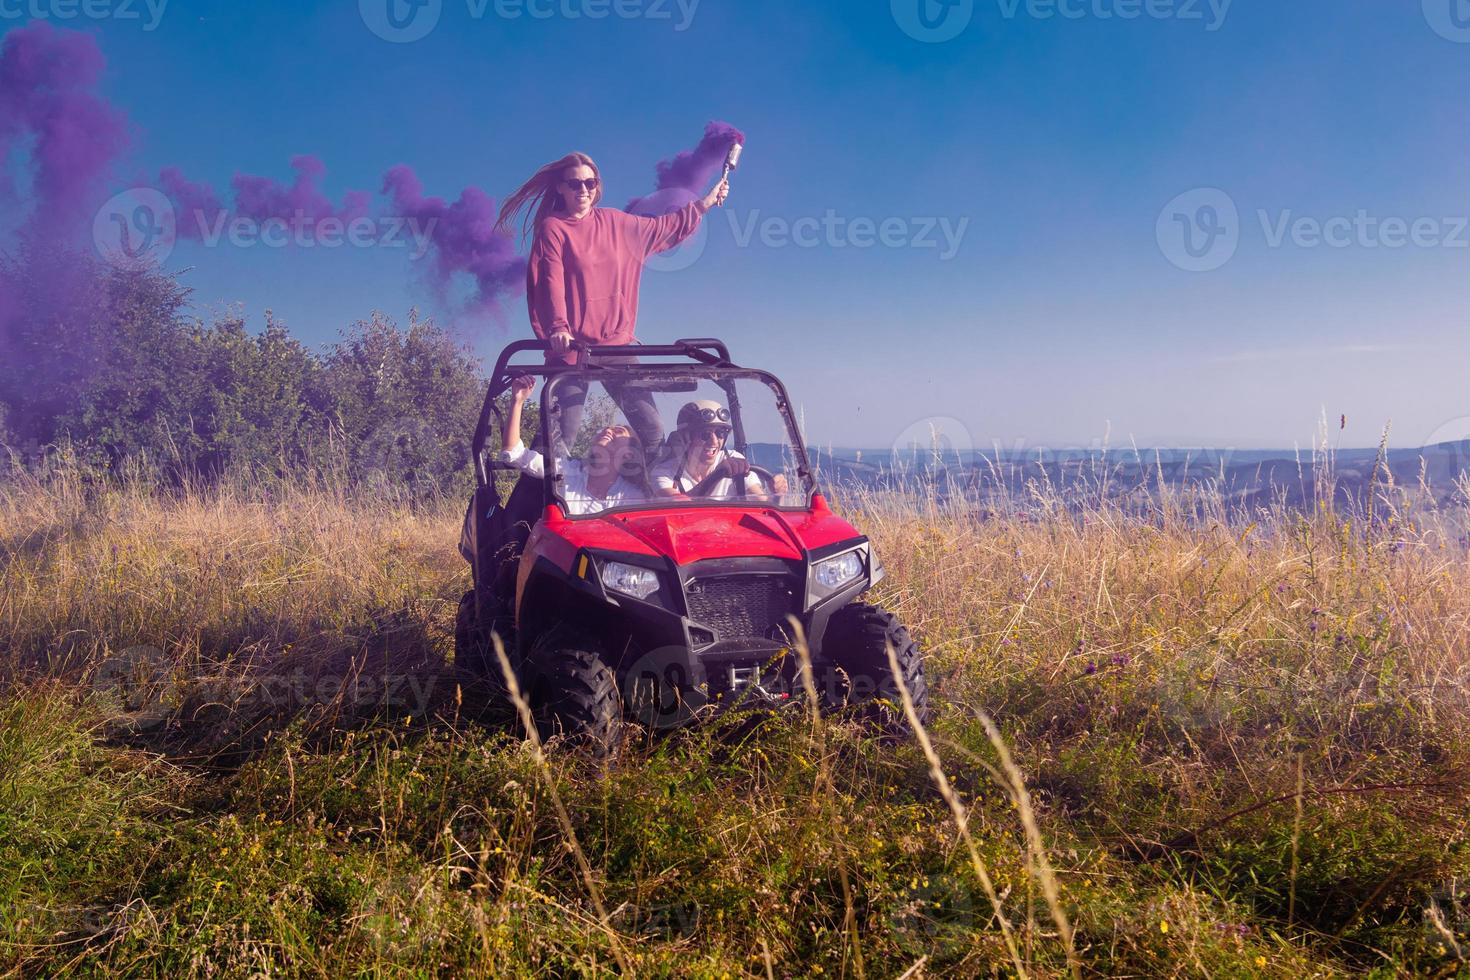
(743, 606)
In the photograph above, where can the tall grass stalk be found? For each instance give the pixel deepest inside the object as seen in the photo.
(957, 812)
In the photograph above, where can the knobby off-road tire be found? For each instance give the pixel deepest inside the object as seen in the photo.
(857, 641)
(572, 692)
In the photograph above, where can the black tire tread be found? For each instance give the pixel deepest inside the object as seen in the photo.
(857, 639)
(573, 691)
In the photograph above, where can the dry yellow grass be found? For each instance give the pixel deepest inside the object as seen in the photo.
(1244, 744)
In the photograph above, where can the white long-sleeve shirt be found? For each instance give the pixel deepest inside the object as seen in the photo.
(671, 475)
(574, 481)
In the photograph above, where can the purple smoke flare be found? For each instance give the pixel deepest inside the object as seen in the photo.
(261, 198)
(689, 172)
(47, 77)
(197, 205)
(463, 236)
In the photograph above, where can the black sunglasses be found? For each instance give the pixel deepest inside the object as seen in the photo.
(721, 432)
(590, 184)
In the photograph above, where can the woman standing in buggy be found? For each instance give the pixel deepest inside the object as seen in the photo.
(584, 272)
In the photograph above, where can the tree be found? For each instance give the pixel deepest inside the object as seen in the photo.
(250, 402)
(405, 403)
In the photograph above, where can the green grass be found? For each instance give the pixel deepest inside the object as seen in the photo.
(232, 742)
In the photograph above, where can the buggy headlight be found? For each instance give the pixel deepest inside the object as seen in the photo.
(640, 583)
(831, 575)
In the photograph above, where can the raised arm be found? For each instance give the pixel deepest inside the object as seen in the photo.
(512, 449)
(668, 231)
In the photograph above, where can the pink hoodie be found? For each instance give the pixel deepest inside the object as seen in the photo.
(583, 274)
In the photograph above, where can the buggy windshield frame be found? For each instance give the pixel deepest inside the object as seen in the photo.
(680, 362)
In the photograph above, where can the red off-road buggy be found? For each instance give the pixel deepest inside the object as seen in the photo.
(661, 608)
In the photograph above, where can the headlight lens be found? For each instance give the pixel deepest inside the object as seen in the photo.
(640, 583)
(833, 573)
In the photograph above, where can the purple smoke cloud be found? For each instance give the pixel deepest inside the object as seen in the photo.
(198, 206)
(686, 175)
(262, 199)
(464, 238)
(47, 77)
(50, 107)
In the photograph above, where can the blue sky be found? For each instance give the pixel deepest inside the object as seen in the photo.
(1047, 145)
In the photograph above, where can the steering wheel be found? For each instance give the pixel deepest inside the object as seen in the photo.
(767, 478)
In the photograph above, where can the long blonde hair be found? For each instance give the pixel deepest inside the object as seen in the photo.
(539, 197)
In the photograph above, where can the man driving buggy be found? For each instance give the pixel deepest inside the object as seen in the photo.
(697, 464)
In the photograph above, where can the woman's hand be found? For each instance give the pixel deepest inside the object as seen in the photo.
(561, 342)
(717, 197)
(520, 390)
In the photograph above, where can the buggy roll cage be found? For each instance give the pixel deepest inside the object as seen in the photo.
(703, 352)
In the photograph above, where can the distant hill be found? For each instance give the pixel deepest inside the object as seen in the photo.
(1247, 478)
